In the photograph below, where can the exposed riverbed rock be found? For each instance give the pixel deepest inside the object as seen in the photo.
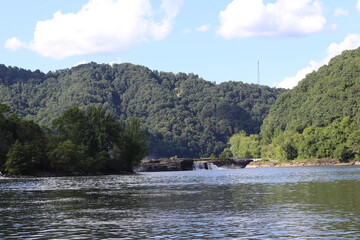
(316, 162)
(182, 164)
(161, 165)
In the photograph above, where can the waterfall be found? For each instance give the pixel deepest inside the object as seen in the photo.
(201, 165)
(212, 166)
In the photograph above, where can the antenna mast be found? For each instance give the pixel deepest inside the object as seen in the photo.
(258, 79)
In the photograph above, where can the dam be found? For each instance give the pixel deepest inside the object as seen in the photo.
(188, 164)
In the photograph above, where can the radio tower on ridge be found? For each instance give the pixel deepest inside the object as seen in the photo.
(258, 73)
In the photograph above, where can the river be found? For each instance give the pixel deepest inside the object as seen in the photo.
(260, 203)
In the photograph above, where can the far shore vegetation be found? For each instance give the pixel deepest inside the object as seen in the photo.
(340, 140)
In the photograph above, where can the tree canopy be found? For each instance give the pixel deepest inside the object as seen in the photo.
(324, 96)
(80, 141)
(182, 114)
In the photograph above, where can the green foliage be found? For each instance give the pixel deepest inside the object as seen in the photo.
(343, 153)
(72, 125)
(339, 140)
(4, 109)
(212, 156)
(67, 157)
(103, 130)
(320, 118)
(94, 129)
(353, 142)
(226, 154)
(89, 141)
(182, 114)
(324, 96)
(96, 142)
(19, 160)
(245, 146)
(132, 146)
(13, 129)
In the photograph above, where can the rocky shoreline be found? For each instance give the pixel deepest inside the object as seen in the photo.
(187, 164)
(317, 162)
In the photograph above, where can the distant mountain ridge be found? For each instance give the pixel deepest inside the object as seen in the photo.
(183, 114)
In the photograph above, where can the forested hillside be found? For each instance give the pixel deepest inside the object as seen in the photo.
(329, 94)
(182, 114)
(320, 118)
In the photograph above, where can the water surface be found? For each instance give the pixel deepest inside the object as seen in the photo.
(263, 203)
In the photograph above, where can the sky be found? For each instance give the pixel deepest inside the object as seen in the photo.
(271, 42)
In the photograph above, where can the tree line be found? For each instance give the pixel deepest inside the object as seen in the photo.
(340, 140)
(80, 141)
(182, 114)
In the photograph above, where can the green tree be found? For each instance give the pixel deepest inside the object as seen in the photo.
(132, 146)
(68, 157)
(226, 154)
(353, 143)
(5, 144)
(343, 153)
(28, 133)
(19, 160)
(72, 125)
(338, 140)
(108, 147)
(93, 130)
(103, 130)
(245, 146)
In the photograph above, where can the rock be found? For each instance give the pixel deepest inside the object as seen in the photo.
(161, 165)
(183, 164)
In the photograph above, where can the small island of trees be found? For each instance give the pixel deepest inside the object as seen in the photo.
(80, 142)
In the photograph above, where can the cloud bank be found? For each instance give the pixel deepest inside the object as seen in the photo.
(352, 41)
(101, 26)
(284, 18)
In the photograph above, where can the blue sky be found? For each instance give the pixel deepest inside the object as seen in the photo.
(220, 40)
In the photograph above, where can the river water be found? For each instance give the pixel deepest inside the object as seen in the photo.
(261, 203)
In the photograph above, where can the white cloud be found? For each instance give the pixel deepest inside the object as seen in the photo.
(358, 5)
(284, 18)
(352, 41)
(340, 12)
(15, 44)
(171, 8)
(203, 28)
(101, 26)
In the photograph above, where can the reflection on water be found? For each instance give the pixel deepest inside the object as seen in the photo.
(296, 203)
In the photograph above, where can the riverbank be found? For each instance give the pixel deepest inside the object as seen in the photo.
(315, 162)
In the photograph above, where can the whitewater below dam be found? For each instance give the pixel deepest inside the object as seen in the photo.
(258, 203)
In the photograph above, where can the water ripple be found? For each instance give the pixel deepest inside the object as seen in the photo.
(274, 203)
